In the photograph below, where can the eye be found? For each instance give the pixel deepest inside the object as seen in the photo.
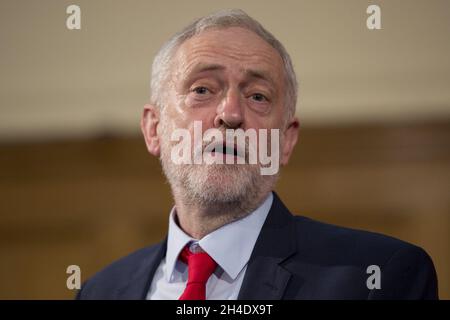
(259, 97)
(201, 90)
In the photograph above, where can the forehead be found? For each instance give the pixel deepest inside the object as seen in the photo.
(233, 48)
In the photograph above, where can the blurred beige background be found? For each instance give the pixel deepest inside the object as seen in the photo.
(76, 183)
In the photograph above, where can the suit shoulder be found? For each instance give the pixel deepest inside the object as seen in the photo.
(350, 244)
(342, 256)
(119, 272)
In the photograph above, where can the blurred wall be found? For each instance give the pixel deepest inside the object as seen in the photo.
(60, 82)
(78, 187)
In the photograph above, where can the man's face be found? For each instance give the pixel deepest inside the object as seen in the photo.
(230, 74)
(229, 78)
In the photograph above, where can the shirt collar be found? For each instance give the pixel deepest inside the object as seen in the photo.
(230, 246)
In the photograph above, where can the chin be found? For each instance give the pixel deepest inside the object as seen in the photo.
(232, 185)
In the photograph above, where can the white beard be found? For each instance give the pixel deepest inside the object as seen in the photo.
(221, 186)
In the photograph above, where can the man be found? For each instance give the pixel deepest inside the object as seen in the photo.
(230, 236)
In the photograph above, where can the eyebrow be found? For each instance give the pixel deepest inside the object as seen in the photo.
(259, 74)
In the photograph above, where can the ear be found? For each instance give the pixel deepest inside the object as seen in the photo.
(149, 124)
(290, 140)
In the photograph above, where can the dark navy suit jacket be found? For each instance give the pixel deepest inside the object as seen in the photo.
(295, 258)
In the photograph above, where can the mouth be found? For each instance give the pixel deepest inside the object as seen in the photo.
(227, 150)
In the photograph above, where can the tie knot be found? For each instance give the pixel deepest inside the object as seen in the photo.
(200, 265)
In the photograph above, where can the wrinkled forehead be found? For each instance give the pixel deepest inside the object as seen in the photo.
(233, 48)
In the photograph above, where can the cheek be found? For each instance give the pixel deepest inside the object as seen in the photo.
(280, 114)
(183, 116)
(191, 101)
(258, 122)
(273, 119)
(196, 122)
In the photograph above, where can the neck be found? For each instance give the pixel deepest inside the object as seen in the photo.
(198, 218)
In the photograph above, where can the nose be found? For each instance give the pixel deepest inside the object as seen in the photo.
(230, 111)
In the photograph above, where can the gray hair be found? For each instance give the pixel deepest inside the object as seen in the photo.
(219, 20)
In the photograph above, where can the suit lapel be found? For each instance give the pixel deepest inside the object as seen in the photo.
(265, 277)
(137, 288)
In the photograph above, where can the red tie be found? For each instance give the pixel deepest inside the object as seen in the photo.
(200, 268)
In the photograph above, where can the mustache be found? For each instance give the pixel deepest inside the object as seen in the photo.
(227, 146)
(238, 142)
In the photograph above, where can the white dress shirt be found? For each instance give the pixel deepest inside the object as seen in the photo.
(230, 246)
